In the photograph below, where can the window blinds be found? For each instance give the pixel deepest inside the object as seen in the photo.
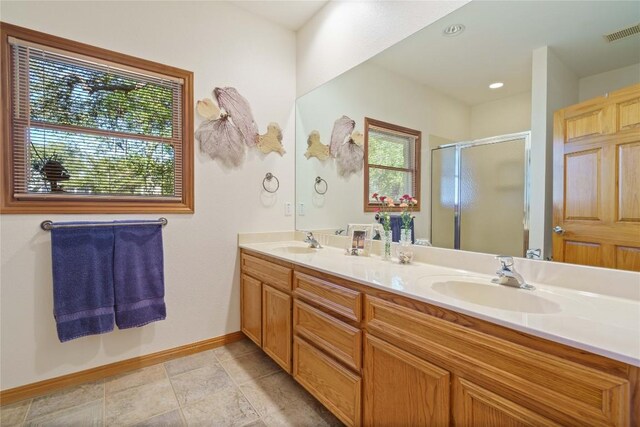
(85, 127)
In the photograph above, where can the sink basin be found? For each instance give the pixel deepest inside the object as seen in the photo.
(295, 249)
(477, 291)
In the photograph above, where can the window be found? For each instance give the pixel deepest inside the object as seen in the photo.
(90, 130)
(392, 162)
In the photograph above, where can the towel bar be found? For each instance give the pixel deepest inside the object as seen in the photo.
(50, 225)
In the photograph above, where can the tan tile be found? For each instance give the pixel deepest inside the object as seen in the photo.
(275, 392)
(297, 416)
(220, 409)
(189, 363)
(135, 378)
(14, 414)
(250, 366)
(66, 398)
(235, 349)
(256, 423)
(89, 414)
(139, 403)
(200, 383)
(169, 419)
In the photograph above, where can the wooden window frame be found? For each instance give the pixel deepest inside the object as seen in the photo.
(368, 122)
(10, 205)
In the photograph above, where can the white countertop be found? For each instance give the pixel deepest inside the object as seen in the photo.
(601, 324)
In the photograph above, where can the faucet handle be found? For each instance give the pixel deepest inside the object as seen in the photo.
(506, 261)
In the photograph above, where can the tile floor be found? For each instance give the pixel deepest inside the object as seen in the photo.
(234, 385)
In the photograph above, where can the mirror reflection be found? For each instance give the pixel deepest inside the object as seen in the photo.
(461, 116)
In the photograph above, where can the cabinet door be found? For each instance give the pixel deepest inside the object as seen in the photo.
(401, 389)
(276, 326)
(251, 308)
(477, 406)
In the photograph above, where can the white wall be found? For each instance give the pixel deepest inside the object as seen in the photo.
(222, 45)
(554, 86)
(599, 84)
(346, 33)
(500, 117)
(367, 91)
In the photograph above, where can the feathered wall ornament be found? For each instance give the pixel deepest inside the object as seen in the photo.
(272, 140)
(238, 108)
(350, 156)
(341, 130)
(315, 148)
(221, 139)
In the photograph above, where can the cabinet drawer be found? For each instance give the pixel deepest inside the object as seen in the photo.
(267, 272)
(332, 384)
(342, 341)
(343, 301)
(563, 391)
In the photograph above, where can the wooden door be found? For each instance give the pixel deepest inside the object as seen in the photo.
(596, 184)
(251, 308)
(477, 406)
(401, 389)
(276, 326)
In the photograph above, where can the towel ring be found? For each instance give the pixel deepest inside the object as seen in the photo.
(268, 177)
(318, 181)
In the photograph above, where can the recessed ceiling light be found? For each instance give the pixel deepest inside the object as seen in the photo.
(453, 30)
(496, 85)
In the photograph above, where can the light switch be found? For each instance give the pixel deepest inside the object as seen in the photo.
(287, 209)
(301, 209)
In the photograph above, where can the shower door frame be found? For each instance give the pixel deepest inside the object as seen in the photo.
(457, 208)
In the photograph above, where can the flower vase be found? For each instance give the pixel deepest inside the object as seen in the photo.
(405, 249)
(386, 241)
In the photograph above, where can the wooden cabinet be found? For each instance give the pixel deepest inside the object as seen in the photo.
(401, 389)
(332, 384)
(375, 358)
(477, 406)
(276, 326)
(265, 307)
(251, 308)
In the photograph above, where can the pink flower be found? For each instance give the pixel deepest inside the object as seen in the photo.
(375, 196)
(383, 198)
(404, 205)
(390, 201)
(414, 201)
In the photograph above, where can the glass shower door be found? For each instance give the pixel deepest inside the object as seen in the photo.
(443, 197)
(492, 197)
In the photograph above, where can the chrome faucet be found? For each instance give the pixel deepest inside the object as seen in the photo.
(508, 276)
(313, 243)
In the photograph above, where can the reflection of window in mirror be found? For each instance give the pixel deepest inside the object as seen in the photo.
(392, 162)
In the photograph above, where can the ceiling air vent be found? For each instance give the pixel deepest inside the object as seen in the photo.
(627, 32)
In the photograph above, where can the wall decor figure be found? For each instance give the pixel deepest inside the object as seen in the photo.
(238, 108)
(315, 148)
(350, 158)
(272, 140)
(220, 139)
(207, 109)
(341, 130)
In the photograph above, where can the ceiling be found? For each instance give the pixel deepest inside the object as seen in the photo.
(499, 39)
(290, 14)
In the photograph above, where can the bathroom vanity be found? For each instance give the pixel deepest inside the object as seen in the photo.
(366, 339)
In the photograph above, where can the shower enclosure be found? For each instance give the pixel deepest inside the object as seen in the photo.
(479, 195)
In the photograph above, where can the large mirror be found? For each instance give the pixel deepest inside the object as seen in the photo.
(461, 117)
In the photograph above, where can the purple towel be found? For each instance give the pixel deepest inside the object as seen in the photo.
(138, 275)
(82, 260)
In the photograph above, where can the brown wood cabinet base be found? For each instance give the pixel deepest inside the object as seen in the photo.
(373, 357)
